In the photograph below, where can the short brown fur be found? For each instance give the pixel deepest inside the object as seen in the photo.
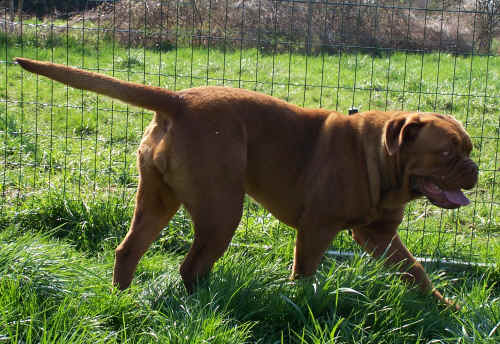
(316, 170)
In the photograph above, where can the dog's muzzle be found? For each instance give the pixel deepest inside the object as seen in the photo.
(470, 174)
(445, 190)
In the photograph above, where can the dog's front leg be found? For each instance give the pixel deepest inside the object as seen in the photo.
(310, 246)
(382, 240)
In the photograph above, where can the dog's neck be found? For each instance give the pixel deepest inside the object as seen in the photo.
(393, 186)
(386, 187)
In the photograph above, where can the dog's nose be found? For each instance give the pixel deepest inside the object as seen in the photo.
(472, 174)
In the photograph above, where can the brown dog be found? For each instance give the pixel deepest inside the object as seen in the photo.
(316, 170)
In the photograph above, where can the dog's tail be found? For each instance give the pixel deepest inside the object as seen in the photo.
(148, 97)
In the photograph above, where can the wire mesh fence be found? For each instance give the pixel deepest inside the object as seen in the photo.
(423, 55)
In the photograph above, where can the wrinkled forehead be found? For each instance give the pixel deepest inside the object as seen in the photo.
(450, 129)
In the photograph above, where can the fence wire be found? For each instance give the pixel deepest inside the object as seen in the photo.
(424, 55)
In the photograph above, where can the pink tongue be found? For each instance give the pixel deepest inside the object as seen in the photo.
(456, 197)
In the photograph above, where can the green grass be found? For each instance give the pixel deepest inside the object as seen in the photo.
(68, 177)
(51, 292)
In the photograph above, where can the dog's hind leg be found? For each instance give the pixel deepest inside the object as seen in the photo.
(215, 220)
(155, 206)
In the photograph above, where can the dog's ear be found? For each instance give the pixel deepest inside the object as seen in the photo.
(401, 130)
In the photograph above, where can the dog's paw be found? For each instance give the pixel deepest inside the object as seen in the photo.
(451, 305)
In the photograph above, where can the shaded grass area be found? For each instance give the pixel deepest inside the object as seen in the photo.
(50, 292)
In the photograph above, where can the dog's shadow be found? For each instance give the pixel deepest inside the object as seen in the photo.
(264, 296)
(244, 292)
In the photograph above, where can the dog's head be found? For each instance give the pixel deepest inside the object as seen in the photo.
(432, 151)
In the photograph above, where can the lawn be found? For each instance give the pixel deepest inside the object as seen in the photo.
(67, 164)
